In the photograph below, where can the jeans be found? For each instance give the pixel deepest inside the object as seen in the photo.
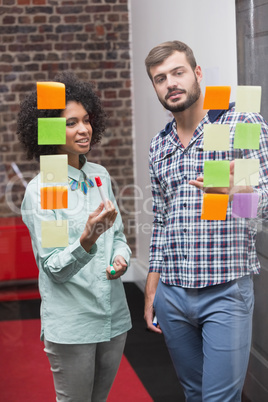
(208, 335)
(85, 372)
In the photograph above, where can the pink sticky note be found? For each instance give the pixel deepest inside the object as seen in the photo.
(245, 205)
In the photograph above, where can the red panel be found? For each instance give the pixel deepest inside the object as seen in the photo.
(16, 255)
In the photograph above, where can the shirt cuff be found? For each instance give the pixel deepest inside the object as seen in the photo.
(80, 253)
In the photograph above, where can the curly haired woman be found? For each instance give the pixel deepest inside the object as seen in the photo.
(84, 312)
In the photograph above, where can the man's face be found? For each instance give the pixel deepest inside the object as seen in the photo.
(176, 84)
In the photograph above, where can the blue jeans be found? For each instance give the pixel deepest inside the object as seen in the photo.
(208, 335)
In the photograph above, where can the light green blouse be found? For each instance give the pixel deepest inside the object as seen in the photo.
(79, 305)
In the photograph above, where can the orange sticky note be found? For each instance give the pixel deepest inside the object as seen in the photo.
(217, 97)
(215, 206)
(54, 197)
(50, 95)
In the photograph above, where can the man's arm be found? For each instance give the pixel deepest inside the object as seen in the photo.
(150, 289)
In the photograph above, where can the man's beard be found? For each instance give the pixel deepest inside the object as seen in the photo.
(192, 97)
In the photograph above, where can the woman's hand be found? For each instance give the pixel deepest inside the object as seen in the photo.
(98, 222)
(120, 267)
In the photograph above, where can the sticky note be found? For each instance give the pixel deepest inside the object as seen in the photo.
(54, 197)
(214, 206)
(50, 95)
(217, 97)
(54, 168)
(245, 205)
(54, 233)
(248, 99)
(216, 137)
(216, 173)
(51, 130)
(247, 135)
(246, 172)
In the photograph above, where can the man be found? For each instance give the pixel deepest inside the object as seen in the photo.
(204, 298)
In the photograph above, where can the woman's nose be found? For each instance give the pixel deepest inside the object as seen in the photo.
(82, 128)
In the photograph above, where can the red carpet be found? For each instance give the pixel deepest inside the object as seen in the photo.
(25, 374)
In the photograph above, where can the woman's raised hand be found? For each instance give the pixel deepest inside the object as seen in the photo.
(98, 222)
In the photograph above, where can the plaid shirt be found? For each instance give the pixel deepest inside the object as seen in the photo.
(186, 250)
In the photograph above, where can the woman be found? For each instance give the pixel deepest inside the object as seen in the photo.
(84, 313)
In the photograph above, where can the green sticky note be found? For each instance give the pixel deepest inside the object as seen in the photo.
(248, 99)
(55, 233)
(246, 172)
(216, 173)
(216, 137)
(247, 135)
(54, 168)
(51, 130)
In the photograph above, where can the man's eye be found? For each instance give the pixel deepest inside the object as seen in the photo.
(159, 80)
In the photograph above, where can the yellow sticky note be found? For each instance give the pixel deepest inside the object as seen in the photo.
(216, 137)
(54, 197)
(214, 206)
(54, 168)
(248, 99)
(50, 95)
(55, 233)
(246, 172)
(217, 97)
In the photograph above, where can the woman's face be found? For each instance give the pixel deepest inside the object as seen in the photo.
(78, 132)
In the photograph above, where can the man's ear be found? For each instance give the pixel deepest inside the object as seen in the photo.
(198, 73)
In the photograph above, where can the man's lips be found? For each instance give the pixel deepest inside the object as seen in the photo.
(174, 94)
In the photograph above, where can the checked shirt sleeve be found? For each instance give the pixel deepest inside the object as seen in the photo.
(157, 240)
(262, 155)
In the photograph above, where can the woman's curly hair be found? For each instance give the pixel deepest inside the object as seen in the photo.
(76, 90)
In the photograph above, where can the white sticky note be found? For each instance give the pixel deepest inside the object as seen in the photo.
(246, 172)
(216, 137)
(248, 99)
(54, 168)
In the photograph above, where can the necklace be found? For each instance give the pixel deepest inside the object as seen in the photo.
(83, 185)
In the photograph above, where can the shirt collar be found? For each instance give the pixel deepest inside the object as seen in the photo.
(213, 115)
(74, 173)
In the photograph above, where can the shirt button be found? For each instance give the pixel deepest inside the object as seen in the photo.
(185, 257)
(185, 205)
(185, 230)
(185, 177)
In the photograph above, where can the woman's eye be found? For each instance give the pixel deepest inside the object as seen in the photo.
(70, 123)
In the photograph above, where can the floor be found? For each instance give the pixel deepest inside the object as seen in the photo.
(145, 351)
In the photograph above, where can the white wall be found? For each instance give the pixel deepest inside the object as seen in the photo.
(208, 27)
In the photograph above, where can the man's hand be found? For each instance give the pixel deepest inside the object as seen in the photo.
(150, 289)
(231, 190)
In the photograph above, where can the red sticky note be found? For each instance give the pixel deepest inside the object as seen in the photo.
(217, 97)
(54, 197)
(50, 95)
(215, 206)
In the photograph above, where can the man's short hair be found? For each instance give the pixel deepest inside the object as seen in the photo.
(161, 52)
